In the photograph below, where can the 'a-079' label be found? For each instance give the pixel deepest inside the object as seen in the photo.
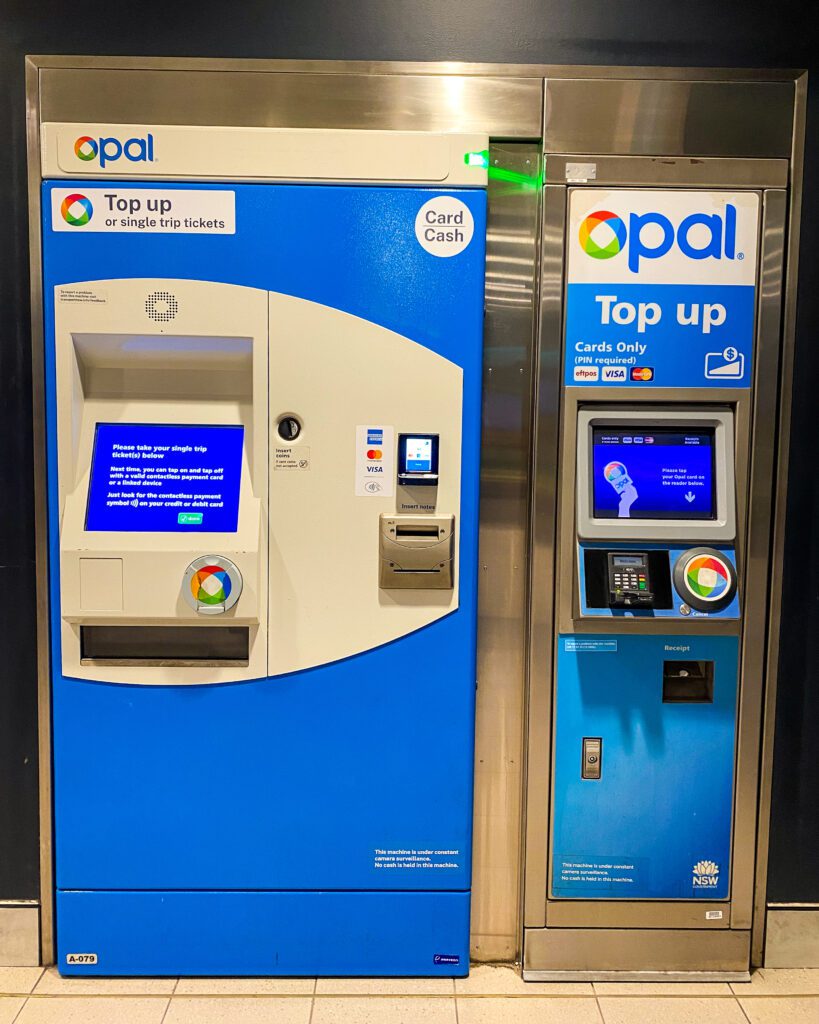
(80, 958)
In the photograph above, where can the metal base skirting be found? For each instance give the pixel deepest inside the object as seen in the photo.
(19, 935)
(642, 954)
(705, 976)
(792, 937)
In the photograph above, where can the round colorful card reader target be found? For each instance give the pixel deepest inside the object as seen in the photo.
(212, 584)
(705, 579)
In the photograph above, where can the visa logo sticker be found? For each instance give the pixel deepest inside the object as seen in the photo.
(615, 374)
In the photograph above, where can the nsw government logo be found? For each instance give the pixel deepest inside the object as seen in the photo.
(705, 874)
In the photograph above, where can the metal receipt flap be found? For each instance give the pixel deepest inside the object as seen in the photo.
(416, 552)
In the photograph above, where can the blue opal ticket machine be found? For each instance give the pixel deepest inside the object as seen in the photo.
(649, 602)
(263, 392)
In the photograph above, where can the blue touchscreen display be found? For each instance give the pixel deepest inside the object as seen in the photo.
(165, 478)
(640, 473)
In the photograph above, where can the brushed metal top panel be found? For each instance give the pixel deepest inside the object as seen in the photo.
(503, 107)
(664, 118)
(667, 171)
(405, 67)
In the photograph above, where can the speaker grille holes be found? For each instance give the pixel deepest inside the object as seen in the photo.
(161, 306)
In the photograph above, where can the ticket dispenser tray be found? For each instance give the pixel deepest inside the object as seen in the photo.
(416, 552)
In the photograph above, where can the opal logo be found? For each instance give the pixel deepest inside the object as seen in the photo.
(85, 148)
(109, 150)
(606, 243)
(650, 236)
(76, 209)
(705, 874)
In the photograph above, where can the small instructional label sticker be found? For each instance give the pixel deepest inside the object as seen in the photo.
(586, 645)
(81, 958)
(416, 860)
(374, 462)
(178, 211)
(92, 296)
(289, 457)
(713, 915)
(606, 875)
(444, 226)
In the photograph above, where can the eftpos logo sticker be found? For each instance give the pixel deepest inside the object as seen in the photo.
(705, 874)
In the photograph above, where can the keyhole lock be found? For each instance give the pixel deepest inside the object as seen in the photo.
(289, 428)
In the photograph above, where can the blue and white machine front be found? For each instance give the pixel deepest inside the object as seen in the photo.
(263, 378)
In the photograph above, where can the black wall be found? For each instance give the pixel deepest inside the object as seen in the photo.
(640, 32)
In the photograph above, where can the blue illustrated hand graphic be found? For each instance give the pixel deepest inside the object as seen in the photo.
(617, 475)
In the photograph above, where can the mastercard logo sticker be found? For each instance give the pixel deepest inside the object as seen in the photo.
(374, 453)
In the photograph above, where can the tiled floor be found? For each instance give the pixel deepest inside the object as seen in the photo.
(490, 995)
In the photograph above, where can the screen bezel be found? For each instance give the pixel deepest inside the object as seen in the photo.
(183, 531)
(406, 476)
(721, 528)
(659, 430)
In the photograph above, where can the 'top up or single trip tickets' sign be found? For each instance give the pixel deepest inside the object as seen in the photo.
(660, 288)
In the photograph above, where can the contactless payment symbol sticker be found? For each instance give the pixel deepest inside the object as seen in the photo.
(212, 584)
(704, 579)
(76, 209)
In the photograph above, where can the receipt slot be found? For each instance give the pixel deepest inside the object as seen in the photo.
(263, 482)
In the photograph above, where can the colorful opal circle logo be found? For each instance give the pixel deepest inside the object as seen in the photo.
(602, 234)
(708, 577)
(85, 148)
(211, 585)
(76, 209)
(614, 471)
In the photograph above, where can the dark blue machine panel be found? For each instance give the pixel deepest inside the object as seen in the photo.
(657, 823)
(165, 477)
(247, 817)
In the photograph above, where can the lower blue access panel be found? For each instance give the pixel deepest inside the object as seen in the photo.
(264, 933)
(650, 817)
